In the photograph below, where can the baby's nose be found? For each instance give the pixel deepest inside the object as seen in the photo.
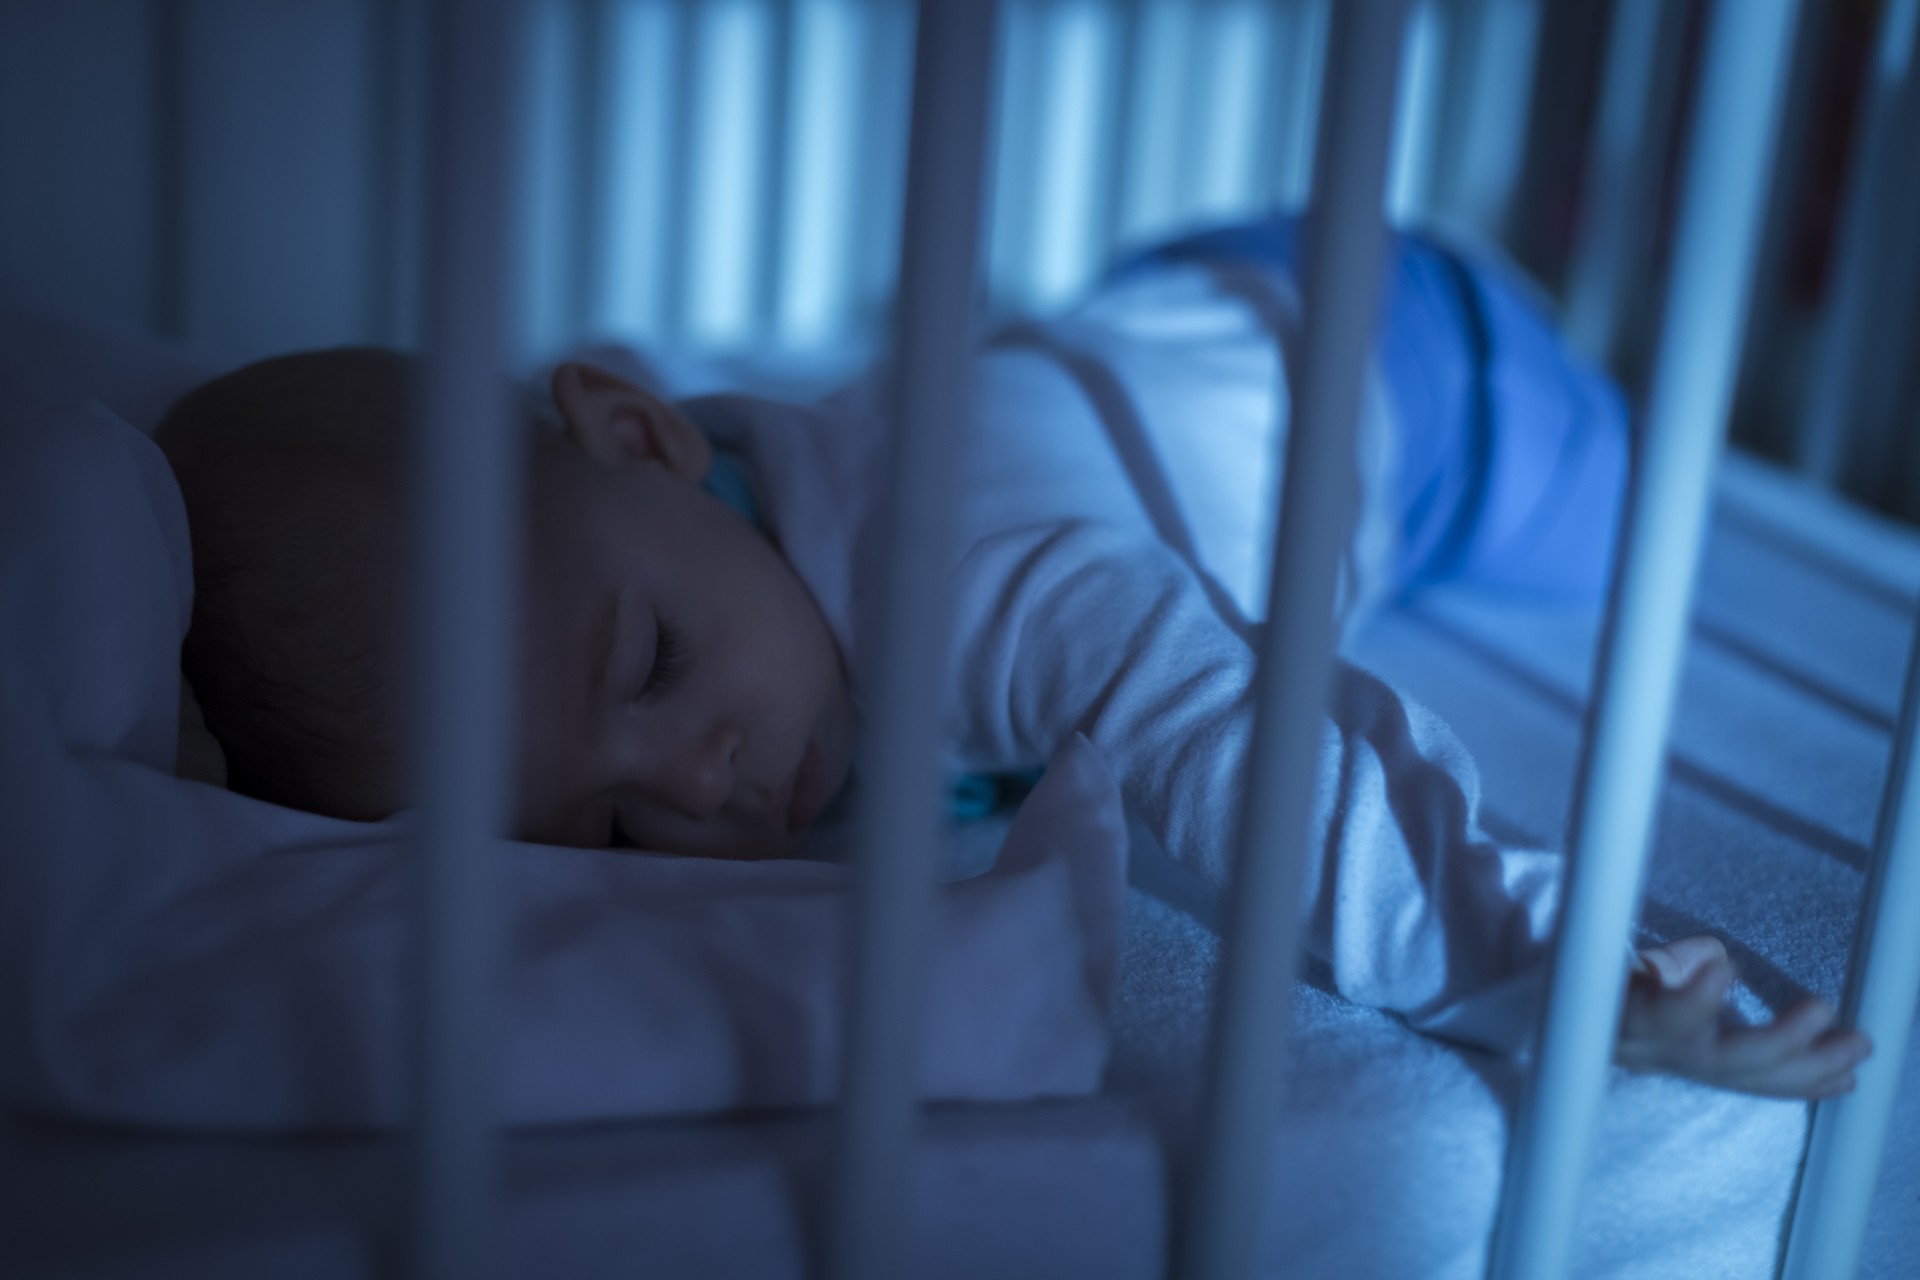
(700, 783)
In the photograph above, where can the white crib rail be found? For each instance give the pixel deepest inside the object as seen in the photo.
(467, 506)
(899, 822)
(1485, 90)
(1880, 204)
(1346, 239)
(1639, 665)
(1637, 98)
(1850, 1133)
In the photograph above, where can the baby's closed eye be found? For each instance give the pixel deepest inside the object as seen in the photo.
(669, 659)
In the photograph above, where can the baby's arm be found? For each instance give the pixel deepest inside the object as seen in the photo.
(1083, 627)
(1673, 1023)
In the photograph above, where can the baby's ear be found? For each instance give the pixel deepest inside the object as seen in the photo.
(616, 422)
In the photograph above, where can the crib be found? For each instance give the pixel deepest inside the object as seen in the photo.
(688, 176)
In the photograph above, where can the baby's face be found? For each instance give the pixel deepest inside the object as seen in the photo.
(682, 691)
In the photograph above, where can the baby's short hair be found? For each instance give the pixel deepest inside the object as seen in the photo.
(291, 470)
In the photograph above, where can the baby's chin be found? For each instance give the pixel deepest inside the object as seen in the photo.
(821, 838)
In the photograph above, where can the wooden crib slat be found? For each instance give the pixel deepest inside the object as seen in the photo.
(1346, 235)
(1293, 111)
(899, 820)
(1862, 300)
(1733, 142)
(1883, 986)
(1486, 86)
(1615, 248)
(467, 507)
(1410, 185)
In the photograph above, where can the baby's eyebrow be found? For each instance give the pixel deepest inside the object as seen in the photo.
(600, 642)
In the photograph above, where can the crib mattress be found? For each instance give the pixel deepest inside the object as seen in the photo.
(1388, 1162)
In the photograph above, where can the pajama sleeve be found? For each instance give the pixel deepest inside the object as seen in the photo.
(1086, 627)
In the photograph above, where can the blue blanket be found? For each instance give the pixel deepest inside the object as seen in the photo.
(1512, 453)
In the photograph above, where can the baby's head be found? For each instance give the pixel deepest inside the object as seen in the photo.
(679, 688)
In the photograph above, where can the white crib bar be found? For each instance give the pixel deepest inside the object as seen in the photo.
(467, 514)
(1487, 88)
(1416, 144)
(1869, 226)
(1623, 170)
(1707, 303)
(1850, 1133)
(1346, 238)
(899, 819)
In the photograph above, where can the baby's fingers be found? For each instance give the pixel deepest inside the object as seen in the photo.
(1671, 1012)
(1751, 1049)
(1825, 1071)
(1801, 1055)
(1676, 963)
(1673, 1029)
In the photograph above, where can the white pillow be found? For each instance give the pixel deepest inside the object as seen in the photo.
(48, 362)
(175, 954)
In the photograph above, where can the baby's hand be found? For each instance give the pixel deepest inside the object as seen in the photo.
(1671, 1024)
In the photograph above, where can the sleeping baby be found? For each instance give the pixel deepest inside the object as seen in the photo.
(692, 674)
